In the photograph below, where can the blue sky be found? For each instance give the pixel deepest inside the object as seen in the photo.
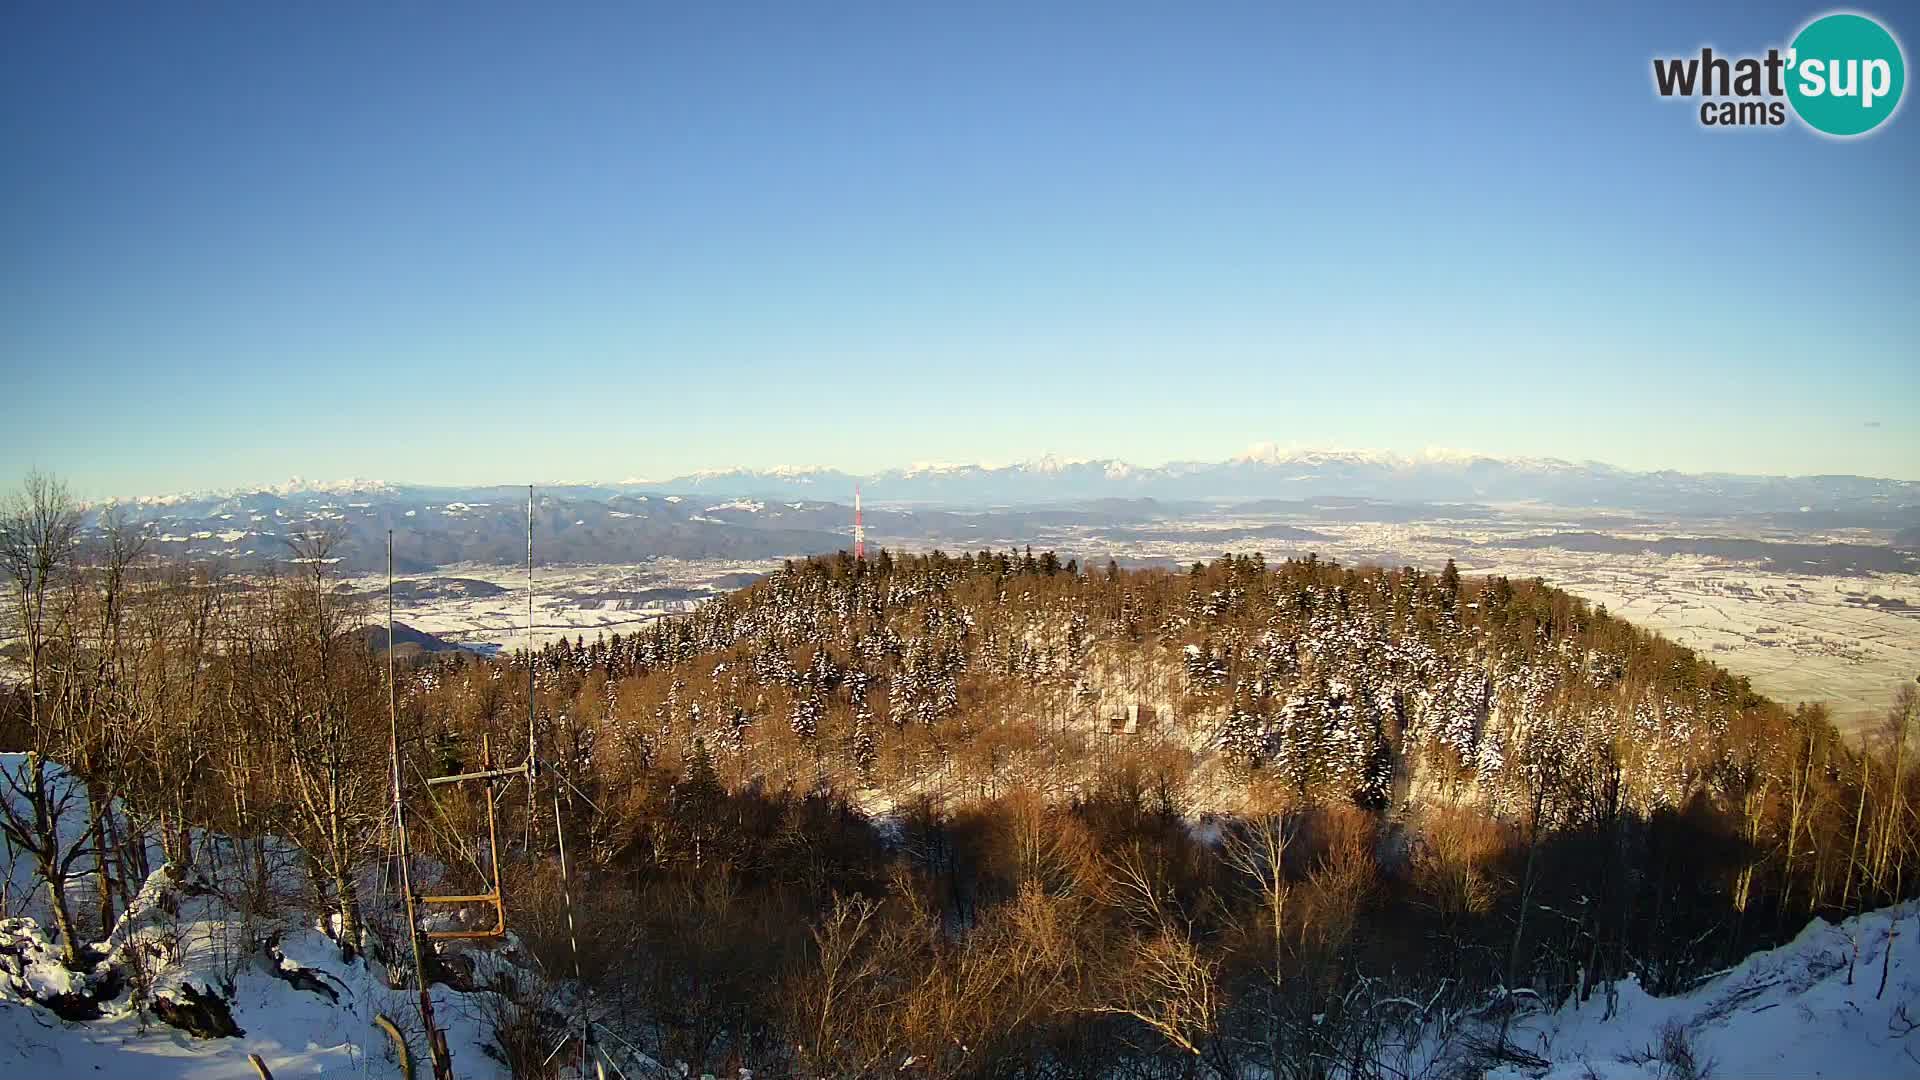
(245, 241)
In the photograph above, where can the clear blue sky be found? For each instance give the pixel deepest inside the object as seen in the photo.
(457, 243)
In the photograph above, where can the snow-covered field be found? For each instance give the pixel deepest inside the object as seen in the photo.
(569, 601)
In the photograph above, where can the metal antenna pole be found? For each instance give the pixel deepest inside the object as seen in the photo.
(436, 1042)
(859, 530)
(533, 766)
(573, 940)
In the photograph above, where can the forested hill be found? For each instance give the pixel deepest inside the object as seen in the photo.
(1301, 680)
(985, 811)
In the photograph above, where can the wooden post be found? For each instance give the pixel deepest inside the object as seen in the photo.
(436, 1044)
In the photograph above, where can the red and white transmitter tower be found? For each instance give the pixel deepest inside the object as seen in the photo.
(859, 530)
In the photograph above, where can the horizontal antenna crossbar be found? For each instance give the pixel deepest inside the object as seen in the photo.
(485, 774)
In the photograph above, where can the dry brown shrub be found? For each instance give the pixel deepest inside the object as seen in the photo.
(1451, 860)
(1345, 872)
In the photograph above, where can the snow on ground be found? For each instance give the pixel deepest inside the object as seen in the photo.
(1811, 1008)
(323, 1025)
(22, 893)
(583, 601)
(186, 942)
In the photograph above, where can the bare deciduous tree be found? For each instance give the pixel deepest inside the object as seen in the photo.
(39, 526)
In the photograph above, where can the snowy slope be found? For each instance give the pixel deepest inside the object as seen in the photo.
(21, 891)
(295, 1031)
(1811, 1008)
(184, 943)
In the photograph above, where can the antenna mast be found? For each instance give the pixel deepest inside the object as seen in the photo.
(533, 760)
(489, 775)
(859, 530)
(436, 1039)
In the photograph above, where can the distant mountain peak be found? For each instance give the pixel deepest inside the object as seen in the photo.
(938, 468)
(1264, 470)
(1270, 453)
(295, 485)
(1293, 470)
(299, 486)
(803, 474)
(1053, 463)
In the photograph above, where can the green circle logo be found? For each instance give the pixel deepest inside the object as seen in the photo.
(1845, 74)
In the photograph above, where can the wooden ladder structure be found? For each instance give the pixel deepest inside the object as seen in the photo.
(491, 777)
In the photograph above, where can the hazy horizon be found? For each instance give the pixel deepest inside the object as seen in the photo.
(90, 490)
(1425, 456)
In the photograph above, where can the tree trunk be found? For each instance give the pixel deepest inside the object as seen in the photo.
(63, 919)
(102, 862)
(1853, 850)
(349, 908)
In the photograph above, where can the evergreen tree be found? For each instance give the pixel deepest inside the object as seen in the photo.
(697, 801)
(805, 718)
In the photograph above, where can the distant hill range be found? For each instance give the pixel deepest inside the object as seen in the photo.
(408, 643)
(758, 515)
(436, 527)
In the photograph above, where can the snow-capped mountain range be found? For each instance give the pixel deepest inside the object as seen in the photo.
(1264, 471)
(1272, 471)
